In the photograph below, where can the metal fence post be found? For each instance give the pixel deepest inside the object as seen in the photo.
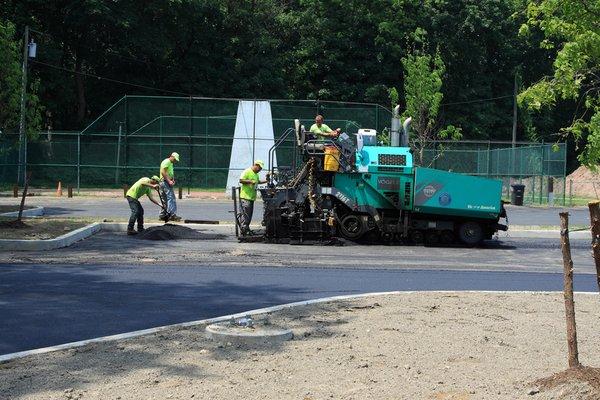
(190, 148)
(570, 192)
(205, 150)
(118, 163)
(254, 132)
(489, 158)
(78, 162)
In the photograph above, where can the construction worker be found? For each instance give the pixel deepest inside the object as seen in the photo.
(142, 187)
(249, 180)
(323, 131)
(167, 194)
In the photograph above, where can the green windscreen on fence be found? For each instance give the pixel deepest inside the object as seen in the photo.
(131, 138)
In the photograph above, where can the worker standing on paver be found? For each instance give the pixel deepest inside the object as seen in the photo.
(167, 181)
(142, 187)
(322, 131)
(249, 180)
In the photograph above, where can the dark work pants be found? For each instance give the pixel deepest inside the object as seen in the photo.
(137, 214)
(247, 211)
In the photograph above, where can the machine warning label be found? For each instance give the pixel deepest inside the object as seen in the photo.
(428, 190)
(388, 183)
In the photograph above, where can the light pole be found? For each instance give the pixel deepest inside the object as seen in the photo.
(29, 51)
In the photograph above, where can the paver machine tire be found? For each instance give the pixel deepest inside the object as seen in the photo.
(352, 226)
(470, 233)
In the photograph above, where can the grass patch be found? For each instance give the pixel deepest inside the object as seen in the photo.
(4, 208)
(39, 228)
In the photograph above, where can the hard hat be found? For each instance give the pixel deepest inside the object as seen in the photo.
(155, 178)
(260, 163)
(176, 155)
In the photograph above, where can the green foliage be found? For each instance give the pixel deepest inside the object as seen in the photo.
(422, 89)
(319, 49)
(10, 86)
(572, 27)
(394, 97)
(10, 78)
(423, 78)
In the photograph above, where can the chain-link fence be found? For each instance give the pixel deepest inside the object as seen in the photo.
(531, 164)
(131, 138)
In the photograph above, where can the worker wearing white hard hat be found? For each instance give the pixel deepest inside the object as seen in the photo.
(167, 193)
(249, 180)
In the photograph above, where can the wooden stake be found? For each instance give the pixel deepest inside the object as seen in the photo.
(15, 191)
(595, 227)
(568, 291)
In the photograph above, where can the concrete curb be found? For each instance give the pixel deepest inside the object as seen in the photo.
(51, 244)
(129, 335)
(543, 234)
(30, 212)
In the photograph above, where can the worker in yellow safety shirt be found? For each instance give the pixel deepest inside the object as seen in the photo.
(142, 187)
(167, 193)
(249, 180)
(322, 131)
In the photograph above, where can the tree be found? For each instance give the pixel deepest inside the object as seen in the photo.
(10, 86)
(572, 27)
(423, 77)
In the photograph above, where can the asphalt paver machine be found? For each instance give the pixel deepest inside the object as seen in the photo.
(354, 189)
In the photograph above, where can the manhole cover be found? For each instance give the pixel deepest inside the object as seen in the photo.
(226, 332)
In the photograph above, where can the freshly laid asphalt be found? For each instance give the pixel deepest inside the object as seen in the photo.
(44, 305)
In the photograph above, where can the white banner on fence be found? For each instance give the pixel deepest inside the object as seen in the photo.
(252, 139)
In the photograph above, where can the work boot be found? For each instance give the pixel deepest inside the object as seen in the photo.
(140, 230)
(175, 218)
(131, 231)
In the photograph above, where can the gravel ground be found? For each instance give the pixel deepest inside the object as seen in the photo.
(406, 346)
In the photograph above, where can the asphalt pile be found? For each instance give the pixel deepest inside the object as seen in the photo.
(176, 232)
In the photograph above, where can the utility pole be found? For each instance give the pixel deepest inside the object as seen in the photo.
(21, 170)
(514, 127)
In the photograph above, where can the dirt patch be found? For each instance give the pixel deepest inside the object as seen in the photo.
(582, 382)
(38, 228)
(14, 224)
(585, 183)
(176, 232)
(408, 346)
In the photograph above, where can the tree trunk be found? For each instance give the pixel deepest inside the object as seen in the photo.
(81, 103)
(595, 227)
(568, 291)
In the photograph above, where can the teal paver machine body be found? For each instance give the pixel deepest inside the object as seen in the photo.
(377, 195)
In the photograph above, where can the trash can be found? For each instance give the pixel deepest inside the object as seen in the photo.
(517, 194)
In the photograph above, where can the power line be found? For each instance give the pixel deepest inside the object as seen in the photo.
(107, 52)
(477, 101)
(109, 79)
